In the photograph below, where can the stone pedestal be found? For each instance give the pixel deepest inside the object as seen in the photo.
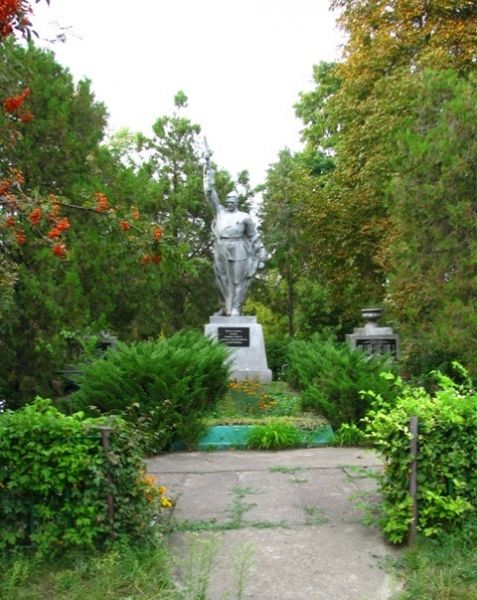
(372, 338)
(244, 337)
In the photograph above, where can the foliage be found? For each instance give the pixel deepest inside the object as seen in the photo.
(293, 288)
(54, 481)
(65, 259)
(274, 436)
(444, 568)
(15, 18)
(388, 45)
(432, 255)
(276, 349)
(124, 571)
(331, 377)
(56, 148)
(447, 456)
(163, 386)
(349, 434)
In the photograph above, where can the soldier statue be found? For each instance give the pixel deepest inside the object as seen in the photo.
(238, 249)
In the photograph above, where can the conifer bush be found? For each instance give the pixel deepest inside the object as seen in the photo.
(162, 386)
(331, 378)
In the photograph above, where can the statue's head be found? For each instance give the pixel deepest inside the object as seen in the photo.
(231, 202)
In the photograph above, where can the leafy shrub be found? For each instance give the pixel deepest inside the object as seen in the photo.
(420, 367)
(331, 376)
(275, 436)
(53, 479)
(447, 456)
(162, 386)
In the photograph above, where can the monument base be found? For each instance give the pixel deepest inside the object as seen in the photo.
(244, 337)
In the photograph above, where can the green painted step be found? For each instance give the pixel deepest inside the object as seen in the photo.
(236, 436)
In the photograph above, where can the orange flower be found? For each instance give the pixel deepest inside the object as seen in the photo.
(157, 234)
(10, 222)
(157, 258)
(35, 216)
(13, 103)
(146, 259)
(20, 237)
(124, 225)
(59, 250)
(17, 175)
(54, 233)
(26, 117)
(4, 186)
(63, 224)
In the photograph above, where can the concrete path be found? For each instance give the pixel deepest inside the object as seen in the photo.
(275, 525)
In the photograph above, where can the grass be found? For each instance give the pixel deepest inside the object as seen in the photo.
(314, 515)
(444, 568)
(285, 469)
(123, 572)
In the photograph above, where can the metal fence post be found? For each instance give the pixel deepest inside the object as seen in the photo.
(414, 430)
(105, 433)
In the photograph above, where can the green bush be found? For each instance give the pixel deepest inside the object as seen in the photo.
(162, 386)
(331, 378)
(447, 456)
(275, 436)
(276, 348)
(54, 485)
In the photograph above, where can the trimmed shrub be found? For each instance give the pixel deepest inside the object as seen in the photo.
(162, 386)
(331, 378)
(447, 456)
(54, 482)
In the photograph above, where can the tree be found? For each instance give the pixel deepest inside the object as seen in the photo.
(432, 258)
(294, 286)
(61, 283)
(389, 43)
(61, 131)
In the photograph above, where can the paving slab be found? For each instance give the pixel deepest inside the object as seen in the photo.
(285, 520)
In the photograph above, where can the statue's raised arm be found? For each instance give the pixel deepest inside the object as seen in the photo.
(209, 179)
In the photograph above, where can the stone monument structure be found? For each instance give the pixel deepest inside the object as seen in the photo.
(372, 338)
(238, 253)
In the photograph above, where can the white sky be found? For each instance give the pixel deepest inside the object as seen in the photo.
(242, 64)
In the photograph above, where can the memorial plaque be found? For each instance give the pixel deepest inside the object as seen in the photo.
(377, 346)
(234, 336)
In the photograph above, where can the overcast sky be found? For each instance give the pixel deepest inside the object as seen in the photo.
(242, 64)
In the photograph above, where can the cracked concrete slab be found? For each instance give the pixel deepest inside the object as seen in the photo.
(290, 514)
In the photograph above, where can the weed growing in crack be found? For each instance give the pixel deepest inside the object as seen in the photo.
(314, 515)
